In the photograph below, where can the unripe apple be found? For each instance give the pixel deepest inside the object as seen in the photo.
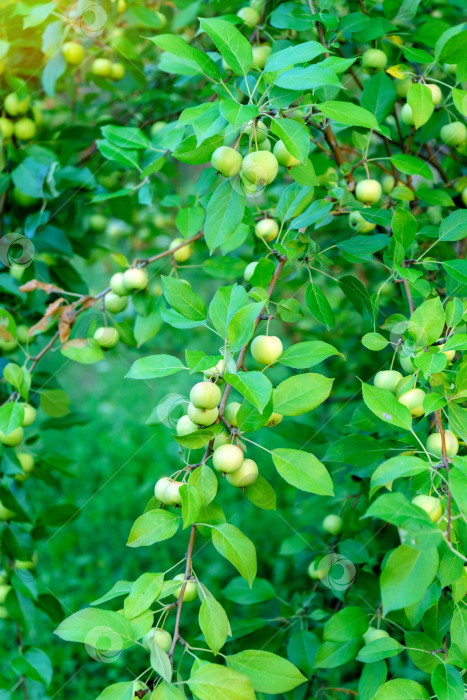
(387, 379)
(205, 395)
(264, 146)
(162, 19)
(434, 444)
(464, 196)
(314, 571)
(223, 438)
(12, 439)
(261, 55)
(115, 303)
(6, 128)
(273, 420)
(230, 413)
(368, 191)
(117, 71)
(248, 187)
(26, 460)
(332, 524)
(161, 637)
(245, 476)
(185, 426)
(374, 61)
(97, 222)
(106, 337)
(430, 505)
(3, 613)
(23, 199)
(407, 364)
(29, 415)
(453, 134)
(135, 279)
(4, 590)
(191, 589)
(202, 416)
(216, 371)
(436, 93)
(450, 354)
(283, 156)
(27, 564)
(14, 106)
(160, 487)
(24, 129)
(266, 349)
(172, 493)
(266, 229)
(102, 67)
(227, 459)
(372, 634)
(249, 16)
(388, 183)
(435, 214)
(117, 286)
(183, 253)
(407, 115)
(249, 270)
(413, 399)
(227, 161)
(157, 126)
(73, 53)
(22, 334)
(329, 178)
(121, 6)
(403, 86)
(359, 224)
(260, 168)
(258, 129)
(5, 513)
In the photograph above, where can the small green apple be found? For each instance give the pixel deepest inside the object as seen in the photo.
(407, 115)
(260, 55)
(284, 157)
(407, 364)
(260, 167)
(372, 634)
(266, 349)
(266, 229)
(73, 53)
(27, 461)
(332, 524)
(6, 128)
(216, 371)
(115, 303)
(464, 196)
(453, 134)
(106, 336)
(403, 86)
(249, 270)
(135, 279)
(161, 637)
(273, 420)
(257, 130)
(314, 571)
(374, 61)
(227, 459)
(13, 105)
(434, 444)
(24, 129)
(191, 589)
(205, 395)
(387, 379)
(102, 67)
(249, 16)
(227, 161)
(117, 71)
(245, 476)
(97, 222)
(182, 254)
(172, 494)
(359, 224)
(230, 413)
(436, 93)
(430, 505)
(202, 416)
(117, 286)
(29, 415)
(185, 426)
(387, 184)
(450, 354)
(368, 191)
(223, 438)
(160, 487)
(413, 399)
(27, 564)
(5, 513)
(13, 438)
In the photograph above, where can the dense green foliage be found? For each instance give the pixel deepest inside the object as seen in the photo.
(234, 306)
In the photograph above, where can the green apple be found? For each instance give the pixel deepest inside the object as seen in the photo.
(102, 67)
(115, 303)
(24, 129)
(183, 253)
(249, 16)
(73, 53)
(6, 128)
(257, 130)
(216, 371)
(106, 337)
(284, 157)
(223, 438)
(413, 399)
(185, 426)
(387, 184)
(387, 379)
(160, 487)
(4, 590)
(249, 270)
(407, 364)
(266, 229)
(3, 613)
(135, 279)
(245, 476)
(5, 513)
(314, 571)
(14, 106)
(359, 224)
(266, 349)
(260, 167)
(202, 416)
(191, 589)
(157, 126)
(436, 93)
(227, 161)
(464, 196)
(430, 505)
(260, 55)
(329, 178)
(205, 395)
(434, 444)
(372, 634)
(453, 134)
(23, 199)
(117, 286)
(230, 413)
(403, 86)
(97, 222)
(22, 333)
(450, 354)
(332, 524)
(374, 61)
(29, 415)
(368, 191)
(26, 460)
(161, 637)
(407, 115)
(227, 459)
(435, 214)
(27, 564)
(117, 71)
(273, 420)
(172, 494)
(12, 439)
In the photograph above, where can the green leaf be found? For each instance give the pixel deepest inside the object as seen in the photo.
(113, 152)
(308, 78)
(401, 689)
(195, 58)
(371, 678)
(349, 114)
(164, 691)
(242, 325)
(224, 213)
(154, 366)
(447, 683)
(117, 691)
(427, 322)
(143, 593)
(307, 354)
(237, 591)
(183, 299)
(303, 470)
(301, 393)
(379, 649)
(237, 114)
(404, 227)
(213, 682)
(454, 49)
(234, 47)
(405, 578)
(102, 629)
(379, 96)
(456, 269)
(293, 201)
(334, 654)
(118, 589)
(349, 623)
(319, 305)
(11, 416)
(200, 438)
(160, 661)
(34, 664)
(356, 293)
(269, 673)
(261, 494)
(396, 467)
(214, 623)
(254, 386)
(410, 165)
(374, 341)
(82, 350)
(153, 526)
(237, 548)
(204, 479)
(125, 136)
(302, 53)
(384, 404)
(192, 503)
(295, 136)
(55, 402)
(454, 227)
(421, 101)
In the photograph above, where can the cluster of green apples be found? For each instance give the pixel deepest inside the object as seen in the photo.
(74, 54)
(122, 284)
(14, 439)
(16, 123)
